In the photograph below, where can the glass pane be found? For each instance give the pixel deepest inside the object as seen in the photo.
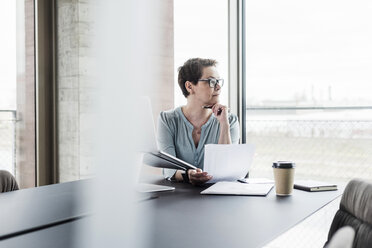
(17, 90)
(308, 95)
(8, 78)
(313, 53)
(201, 30)
(308, 87)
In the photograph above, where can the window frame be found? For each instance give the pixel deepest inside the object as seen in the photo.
(236, 44)
(46, 92)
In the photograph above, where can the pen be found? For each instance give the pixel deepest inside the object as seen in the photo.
(219, 110)
(207, 107)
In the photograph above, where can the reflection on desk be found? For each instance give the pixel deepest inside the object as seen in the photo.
(30, 209)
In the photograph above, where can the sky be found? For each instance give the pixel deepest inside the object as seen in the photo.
(320, 50)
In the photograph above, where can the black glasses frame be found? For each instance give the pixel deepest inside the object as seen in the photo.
(213, 82)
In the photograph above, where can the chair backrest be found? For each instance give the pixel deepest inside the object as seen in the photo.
(343, 238)
(355, 211)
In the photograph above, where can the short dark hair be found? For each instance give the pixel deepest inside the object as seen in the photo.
(192, 70)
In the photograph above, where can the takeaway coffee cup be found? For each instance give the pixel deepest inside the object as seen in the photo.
(284, 175)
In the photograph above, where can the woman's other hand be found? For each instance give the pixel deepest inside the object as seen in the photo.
(198, 177)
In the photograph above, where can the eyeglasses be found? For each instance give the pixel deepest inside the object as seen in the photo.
(213, 82)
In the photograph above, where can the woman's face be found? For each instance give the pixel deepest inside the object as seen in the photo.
(202, 90)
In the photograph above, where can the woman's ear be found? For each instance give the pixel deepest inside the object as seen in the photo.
(188, 86)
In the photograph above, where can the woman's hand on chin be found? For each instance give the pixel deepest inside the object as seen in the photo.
(220, 111)
(198, 177)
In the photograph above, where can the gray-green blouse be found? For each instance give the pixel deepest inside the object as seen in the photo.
(175, 136)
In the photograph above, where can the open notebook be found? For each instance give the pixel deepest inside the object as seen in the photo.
(164, 160)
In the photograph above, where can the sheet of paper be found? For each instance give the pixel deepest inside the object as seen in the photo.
(236, 188)
(228, 162)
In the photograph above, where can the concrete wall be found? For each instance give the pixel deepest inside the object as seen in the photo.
(25, 125)
(74, 71)
(76, 93)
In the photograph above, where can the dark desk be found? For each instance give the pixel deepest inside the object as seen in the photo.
(65, 235)
(209, 221)
(229, 221)
(30, 209)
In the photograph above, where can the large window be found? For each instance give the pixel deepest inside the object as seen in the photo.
(8, 78)
(17, 90)
(308, 84)
(201, 30)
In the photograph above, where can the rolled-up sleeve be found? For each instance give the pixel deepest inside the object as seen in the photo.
(234, 129)
(165, 139)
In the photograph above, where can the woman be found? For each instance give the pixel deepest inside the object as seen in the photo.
(184, 131)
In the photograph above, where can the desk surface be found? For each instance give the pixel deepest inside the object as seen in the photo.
(229, 221)
(33, 208)
(214, 221)
(60, 236)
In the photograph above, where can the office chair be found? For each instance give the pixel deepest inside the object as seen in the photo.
(343, 238)
(355, 211)
(7, 182)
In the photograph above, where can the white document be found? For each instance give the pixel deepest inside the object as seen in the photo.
(228, 162)
(236, 188)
